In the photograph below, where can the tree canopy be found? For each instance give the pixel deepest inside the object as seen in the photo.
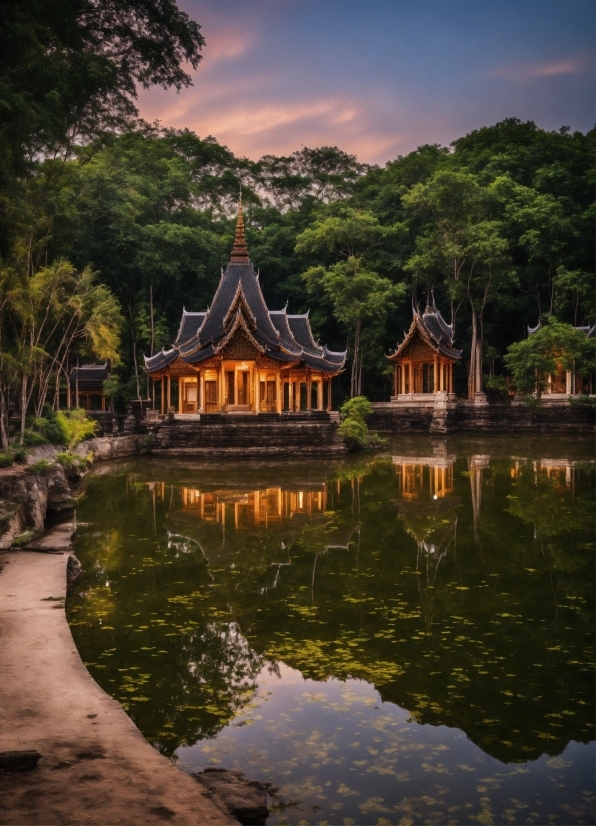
(499, 225)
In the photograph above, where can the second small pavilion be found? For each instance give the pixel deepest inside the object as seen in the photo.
(423, 362)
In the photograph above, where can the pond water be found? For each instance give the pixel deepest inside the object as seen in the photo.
(390, 639)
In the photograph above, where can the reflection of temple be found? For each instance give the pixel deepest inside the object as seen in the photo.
(238, 356)
(561, 470)
(418, 476)
(248, 509)
(427, 507)
(425, 486)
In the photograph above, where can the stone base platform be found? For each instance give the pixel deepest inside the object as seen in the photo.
(446, 415)
(212, 434)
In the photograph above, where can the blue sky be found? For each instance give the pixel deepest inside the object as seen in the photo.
(379, 78)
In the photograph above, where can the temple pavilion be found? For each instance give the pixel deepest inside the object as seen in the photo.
(565, 383)
(423, 362)
(238, 356)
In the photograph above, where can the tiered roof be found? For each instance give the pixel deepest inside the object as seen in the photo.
(239, 307)
(587, 329)
(433, 330)
(89, 376)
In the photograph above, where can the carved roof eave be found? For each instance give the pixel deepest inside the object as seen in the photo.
(239, 302)
(417, 326)
(238, 323)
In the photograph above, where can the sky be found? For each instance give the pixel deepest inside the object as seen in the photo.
(380, 77)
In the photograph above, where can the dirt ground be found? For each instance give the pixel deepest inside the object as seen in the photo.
(96, 767)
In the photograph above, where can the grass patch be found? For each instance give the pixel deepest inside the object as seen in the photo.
(42, 466)
(24, 538)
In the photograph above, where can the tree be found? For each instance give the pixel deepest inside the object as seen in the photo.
(461, 243)
(556, 346)
(323, 175)
(544, 230)
(42, 318)
(358, 295)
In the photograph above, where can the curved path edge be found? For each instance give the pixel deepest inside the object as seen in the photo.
(96, 767)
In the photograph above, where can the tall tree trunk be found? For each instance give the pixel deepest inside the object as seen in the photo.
(151, 317)
(360, 375)
(77, 385)
(134, 351)
(3, 417)
(68, 398)
(23, 407)
(355, 360)
(152, 325)
(478, 382)
(472, 372)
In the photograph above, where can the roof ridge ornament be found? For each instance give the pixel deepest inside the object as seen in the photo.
(239, 250)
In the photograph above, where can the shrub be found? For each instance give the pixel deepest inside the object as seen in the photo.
(498, 388)
(67, 460)
(75, 426)
(49, 427)
(19, 454)
(6, 460)
(358, 407)
(33, 439)
(42, 466)
(353, 427)
(24, 538)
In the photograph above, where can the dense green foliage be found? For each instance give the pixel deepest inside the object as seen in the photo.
(555, 346)
(116, 224)
(353, 425)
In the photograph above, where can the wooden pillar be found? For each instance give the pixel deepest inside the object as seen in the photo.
(221, 393)
(320, 392)
(290, 391)
(257, 384)
(308, 391)
(329, 394)
(436, 375)
(279, 387)
(169, 397)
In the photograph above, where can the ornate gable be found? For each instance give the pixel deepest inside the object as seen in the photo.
(418, 348)
(240, 347)
(179, 367)
(239, 305)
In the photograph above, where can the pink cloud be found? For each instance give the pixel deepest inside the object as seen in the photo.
(563, 66)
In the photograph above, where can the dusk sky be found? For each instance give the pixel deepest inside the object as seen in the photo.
(380, 77)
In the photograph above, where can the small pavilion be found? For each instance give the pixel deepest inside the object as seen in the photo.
(565, 383)
(85, 386)
(423, 362)
(240, 357)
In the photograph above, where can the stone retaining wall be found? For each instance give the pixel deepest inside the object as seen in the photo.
(468, 416)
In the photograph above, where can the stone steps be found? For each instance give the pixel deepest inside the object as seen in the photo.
(269, 433)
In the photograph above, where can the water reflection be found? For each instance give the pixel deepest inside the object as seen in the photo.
(453, 578)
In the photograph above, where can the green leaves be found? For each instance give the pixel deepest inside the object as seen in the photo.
(555, 347)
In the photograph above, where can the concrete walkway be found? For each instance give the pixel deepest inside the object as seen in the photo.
(96, 767)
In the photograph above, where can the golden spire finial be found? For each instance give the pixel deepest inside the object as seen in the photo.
(240, 250)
